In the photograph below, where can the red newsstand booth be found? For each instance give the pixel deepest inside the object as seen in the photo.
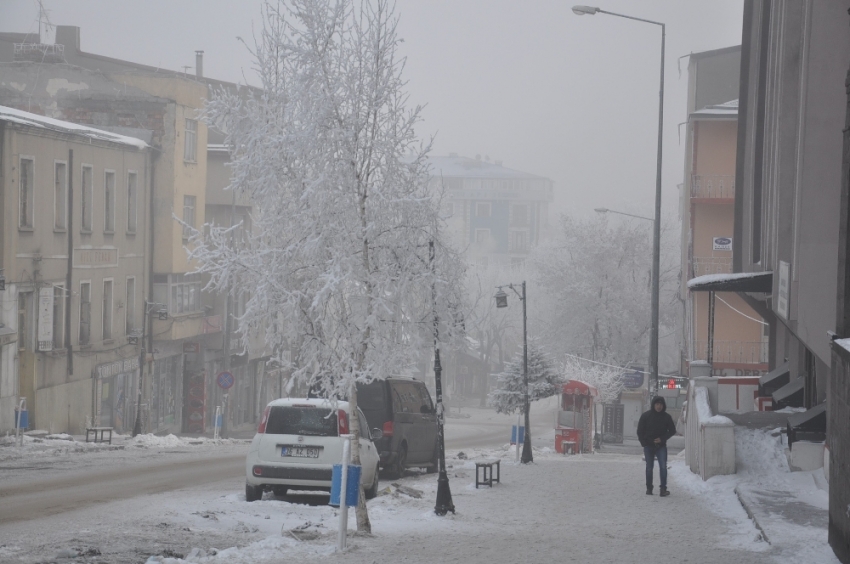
(574, 425)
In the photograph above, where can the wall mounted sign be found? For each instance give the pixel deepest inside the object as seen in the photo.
(784, 286)
(722, 244)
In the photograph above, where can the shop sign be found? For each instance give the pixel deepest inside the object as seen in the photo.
(722, 244)
(784, 285)
(633, 380)
(118, 367)
(45, 319)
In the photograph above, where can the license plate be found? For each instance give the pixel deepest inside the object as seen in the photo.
(300, 451)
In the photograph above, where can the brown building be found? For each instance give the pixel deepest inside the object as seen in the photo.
(728, 333)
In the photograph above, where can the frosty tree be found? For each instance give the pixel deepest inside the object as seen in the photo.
(608, 380)
(338, 267)
(543, 381)
(595, 279)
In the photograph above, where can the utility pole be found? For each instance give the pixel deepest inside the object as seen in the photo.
(444, 492)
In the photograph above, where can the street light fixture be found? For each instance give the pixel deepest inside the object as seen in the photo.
(656, 235)
(606, 210)
(502, 301)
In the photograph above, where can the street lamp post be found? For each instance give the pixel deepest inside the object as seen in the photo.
(502, 301)
(162, 313)
(656, 235)
(444, 493)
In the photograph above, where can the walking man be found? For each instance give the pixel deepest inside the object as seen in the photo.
(654, 428)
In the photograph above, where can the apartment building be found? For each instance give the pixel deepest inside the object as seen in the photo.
(720, 327)
(495, 214)
(162, 107)
(74, 250)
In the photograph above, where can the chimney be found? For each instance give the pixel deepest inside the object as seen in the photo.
(69, 36)
(199, 64)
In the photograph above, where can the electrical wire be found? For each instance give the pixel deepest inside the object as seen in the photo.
(620, 367)
(740, 312)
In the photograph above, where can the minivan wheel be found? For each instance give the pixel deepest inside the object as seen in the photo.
(372, 491)
(400, 462)
(253, 493)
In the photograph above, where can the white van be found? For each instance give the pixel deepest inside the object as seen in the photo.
(298, 442)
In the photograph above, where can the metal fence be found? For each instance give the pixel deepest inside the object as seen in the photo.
(712, 186)
(739, 352)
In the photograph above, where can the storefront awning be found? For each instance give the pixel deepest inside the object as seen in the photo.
(579, 388)
(777, 377)
(790, 395)
(752, 282)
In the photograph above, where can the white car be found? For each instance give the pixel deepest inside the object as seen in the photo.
(298, 442)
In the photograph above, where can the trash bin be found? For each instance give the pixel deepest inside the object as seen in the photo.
(21, 422)
(352, 486)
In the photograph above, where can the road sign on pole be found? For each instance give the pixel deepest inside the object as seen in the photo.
(224, 380)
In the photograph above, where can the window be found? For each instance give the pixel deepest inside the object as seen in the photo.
(23, 337)
(519, 241)
(109, 202)
(482, 209)
(131, 202)
(86, 195)
(60, 197)
(519, 215)
(482, 235)
(130, 305)
(85, 313)
(26, 172)
(182, 292)
(188, 216)
(107, 309)
(450, 209)
(58, 317)
(190, 140)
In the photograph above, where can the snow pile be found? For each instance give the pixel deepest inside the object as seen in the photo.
(704, 409)
(764, 481)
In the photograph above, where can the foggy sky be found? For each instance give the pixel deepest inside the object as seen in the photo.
(523, 81)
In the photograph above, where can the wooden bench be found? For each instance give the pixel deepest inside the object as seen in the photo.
(487, 478)
(97, 434)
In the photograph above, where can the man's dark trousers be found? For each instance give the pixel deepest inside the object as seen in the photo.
(650, 454)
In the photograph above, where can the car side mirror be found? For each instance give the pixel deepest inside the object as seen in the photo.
(377, 434)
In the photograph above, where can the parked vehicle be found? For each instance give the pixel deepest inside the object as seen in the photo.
(402, 409)
(298, 442)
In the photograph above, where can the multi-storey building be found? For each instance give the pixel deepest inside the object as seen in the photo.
(729, 334)
(74, 251)
(496, 214)
(163, 107)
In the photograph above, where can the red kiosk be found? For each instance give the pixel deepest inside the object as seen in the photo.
(574, 426)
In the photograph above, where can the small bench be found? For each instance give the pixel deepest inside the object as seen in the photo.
(98, 434)
(486, 467)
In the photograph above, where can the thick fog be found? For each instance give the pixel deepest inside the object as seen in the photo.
(528, 83)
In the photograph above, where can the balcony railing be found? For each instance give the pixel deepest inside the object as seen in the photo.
(737, 352)
(713, 186)
(712, 265)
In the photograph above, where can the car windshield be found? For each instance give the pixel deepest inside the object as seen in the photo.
(307, 420)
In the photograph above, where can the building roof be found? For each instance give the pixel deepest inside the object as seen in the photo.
(456, 166)
(20, 117)
(714, 52)
(726, 110)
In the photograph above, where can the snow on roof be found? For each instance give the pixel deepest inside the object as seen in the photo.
(725, 110)
(710, 279)
(454, 166)
(34, 120)
(843, 343)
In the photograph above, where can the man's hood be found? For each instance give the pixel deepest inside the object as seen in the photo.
(662, 401)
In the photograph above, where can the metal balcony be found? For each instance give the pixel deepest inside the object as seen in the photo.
(709, 187)
(711, 265)
(733, 352)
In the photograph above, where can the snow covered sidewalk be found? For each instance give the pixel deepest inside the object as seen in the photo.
(787, 510)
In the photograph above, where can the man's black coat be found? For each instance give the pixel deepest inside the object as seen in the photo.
(655, 425)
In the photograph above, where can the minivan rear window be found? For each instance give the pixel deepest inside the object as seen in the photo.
(294, 420)
(370, 397)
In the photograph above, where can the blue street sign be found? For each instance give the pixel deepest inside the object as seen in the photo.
(225, 380)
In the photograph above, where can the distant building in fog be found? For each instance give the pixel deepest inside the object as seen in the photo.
(495, 214)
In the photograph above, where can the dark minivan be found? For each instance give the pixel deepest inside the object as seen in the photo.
(403, 410)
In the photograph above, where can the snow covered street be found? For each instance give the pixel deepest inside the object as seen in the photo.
(589, 508)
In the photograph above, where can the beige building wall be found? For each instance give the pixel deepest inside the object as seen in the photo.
(61, 397)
